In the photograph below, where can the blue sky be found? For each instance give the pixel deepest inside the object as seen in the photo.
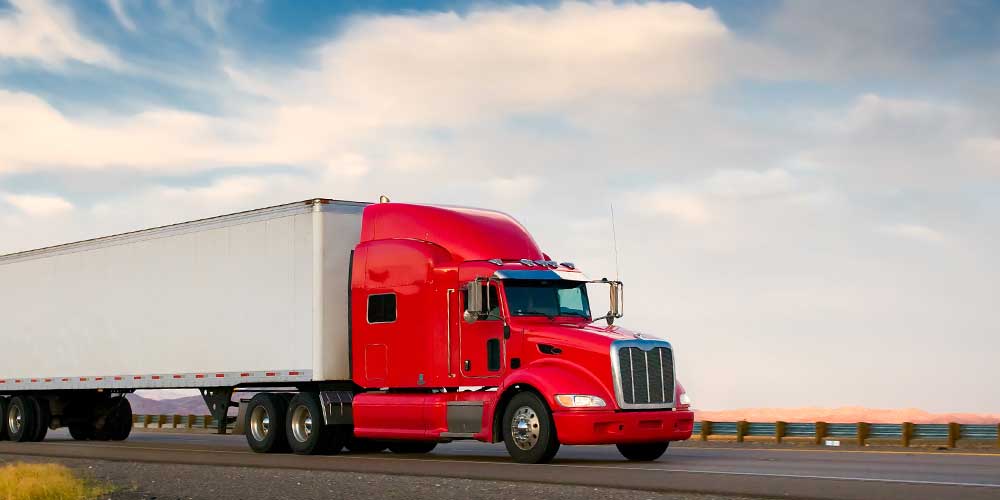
(806, 192)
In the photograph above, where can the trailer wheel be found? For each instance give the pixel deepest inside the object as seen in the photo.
(119, 423)
(306, 431)
(412, 447)
(43, 417)
(3, 418)
(22, 419)
(643, 452)
(264, 423)
(81, 432)
(528, 430)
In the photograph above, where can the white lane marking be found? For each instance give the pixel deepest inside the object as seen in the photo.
(574, 466)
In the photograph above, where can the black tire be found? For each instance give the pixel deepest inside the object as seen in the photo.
(43, 417)
(81, 432)
(306, 432)
(412, 447)
(269, 436)
(643, 452)
(361, 445)
(3, 418)
(540, 444)
(27, 419)
(118, 426)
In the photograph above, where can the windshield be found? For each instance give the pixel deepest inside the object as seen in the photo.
(547, 298)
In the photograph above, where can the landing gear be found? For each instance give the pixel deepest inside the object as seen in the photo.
(643, 452)
(528, 430)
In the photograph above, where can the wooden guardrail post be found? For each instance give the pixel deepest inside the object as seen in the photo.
(954, 433)
(208, 421)
(706, 429)
(820, 432)
(742, 428)
(779, 431)
(190, 422)
(176, 421)
(906, 434)
(863, 429)
(146, 420)
(160, 421)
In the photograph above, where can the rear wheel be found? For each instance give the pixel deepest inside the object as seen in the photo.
(528, 430)
(412, 447)
(118, 426)
(265, 423)
(22, 419)
(306, 430)
(643, 452)
(43, 417)
(3, 418)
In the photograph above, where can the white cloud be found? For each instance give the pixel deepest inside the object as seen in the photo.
(38, 30)
(118, 9)
(38, 205)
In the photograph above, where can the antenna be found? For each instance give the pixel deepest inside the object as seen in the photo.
(614, 237)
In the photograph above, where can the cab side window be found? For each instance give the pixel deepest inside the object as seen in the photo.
(382, 308)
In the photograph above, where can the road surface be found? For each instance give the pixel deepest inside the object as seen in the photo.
(722, 470)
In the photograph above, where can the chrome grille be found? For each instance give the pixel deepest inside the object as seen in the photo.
(644, 374)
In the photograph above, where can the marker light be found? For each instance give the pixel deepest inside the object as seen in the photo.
(580, 401)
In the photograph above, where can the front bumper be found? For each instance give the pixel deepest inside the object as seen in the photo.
(614, 427)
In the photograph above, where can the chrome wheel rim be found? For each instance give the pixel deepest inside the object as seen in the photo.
(302, 424)
(260, 423)
(15, 419)
(524, 428)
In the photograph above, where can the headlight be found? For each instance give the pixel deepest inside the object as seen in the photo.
(580, 401)
(685, 399)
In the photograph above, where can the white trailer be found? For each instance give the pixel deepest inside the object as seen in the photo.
(254, 298)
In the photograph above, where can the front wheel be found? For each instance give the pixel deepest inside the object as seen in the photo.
(528, 430)
(643, 452)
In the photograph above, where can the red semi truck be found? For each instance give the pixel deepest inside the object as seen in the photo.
(423, 324)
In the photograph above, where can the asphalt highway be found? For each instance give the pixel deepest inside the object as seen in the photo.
(720, 470)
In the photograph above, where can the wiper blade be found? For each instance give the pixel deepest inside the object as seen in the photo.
(536, 313)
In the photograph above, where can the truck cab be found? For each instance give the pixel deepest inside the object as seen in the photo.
(461, 327)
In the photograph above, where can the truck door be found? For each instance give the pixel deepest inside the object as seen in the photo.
(481, 345)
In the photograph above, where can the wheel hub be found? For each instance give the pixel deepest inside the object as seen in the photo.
(260, 423)
(302, 424)
(15, 420)
(524, 427)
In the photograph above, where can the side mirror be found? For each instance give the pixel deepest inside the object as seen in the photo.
(474, 303)
(617, 296)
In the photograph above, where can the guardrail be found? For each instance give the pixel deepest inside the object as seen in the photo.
(859, 433)
(174, 422)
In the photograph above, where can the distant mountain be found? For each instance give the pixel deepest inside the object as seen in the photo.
(191, 405)
(845, 414)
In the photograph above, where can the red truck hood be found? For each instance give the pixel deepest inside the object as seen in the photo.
(568, 334)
